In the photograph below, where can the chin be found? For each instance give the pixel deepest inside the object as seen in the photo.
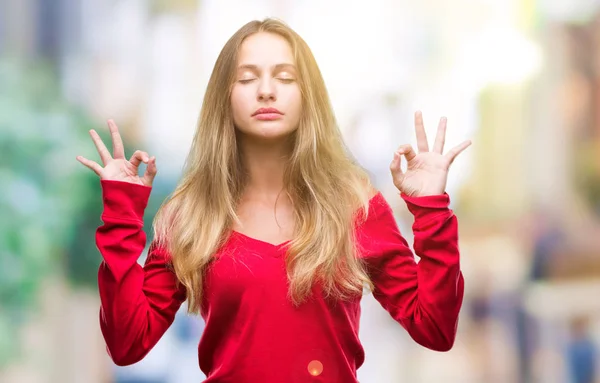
(267, 131)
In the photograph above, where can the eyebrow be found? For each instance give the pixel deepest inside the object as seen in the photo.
(277, 67)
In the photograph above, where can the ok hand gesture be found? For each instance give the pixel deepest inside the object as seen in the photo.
(117, 167)
(427, 171)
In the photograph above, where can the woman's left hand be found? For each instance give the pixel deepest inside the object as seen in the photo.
(427, 171)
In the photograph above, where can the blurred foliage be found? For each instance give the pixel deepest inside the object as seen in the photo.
(50, 204)
(37, 193)
(586, 169)
(158, 7)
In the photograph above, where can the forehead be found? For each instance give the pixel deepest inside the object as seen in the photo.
(265, 49)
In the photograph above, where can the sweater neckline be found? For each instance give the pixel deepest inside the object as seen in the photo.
(260, 241)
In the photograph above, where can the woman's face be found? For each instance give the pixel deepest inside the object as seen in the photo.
(265, 99)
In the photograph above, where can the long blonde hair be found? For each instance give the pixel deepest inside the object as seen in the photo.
(326, 186)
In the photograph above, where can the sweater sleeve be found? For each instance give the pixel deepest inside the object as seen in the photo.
(138, 304)
(424, 297)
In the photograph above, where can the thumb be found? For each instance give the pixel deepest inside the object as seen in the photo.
(396, 170)
(150, 173)
(395, 165)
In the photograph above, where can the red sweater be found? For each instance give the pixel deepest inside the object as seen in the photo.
(253, 333)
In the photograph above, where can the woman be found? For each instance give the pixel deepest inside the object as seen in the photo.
(274, 231)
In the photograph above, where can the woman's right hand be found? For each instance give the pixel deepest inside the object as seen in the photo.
(117, 167)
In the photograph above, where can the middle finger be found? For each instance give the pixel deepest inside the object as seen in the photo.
(102, 151)
(118, 147)
(422, 144)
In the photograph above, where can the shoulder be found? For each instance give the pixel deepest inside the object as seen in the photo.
(159, 251)
(374, 197)
(377, 204)
(378, 215)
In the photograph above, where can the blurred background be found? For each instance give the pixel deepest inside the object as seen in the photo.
(521, 78)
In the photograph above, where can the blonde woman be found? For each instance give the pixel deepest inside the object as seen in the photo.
(274, 231)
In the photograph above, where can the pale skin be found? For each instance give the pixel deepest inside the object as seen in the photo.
(115, 166)
(427, 171)
(266, 78)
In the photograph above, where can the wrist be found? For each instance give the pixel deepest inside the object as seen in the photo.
(424, 193)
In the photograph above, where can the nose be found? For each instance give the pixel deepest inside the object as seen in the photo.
(266, 91)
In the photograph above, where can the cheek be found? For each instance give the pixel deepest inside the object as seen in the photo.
(297, 105)
(239, 104)
(294, 102)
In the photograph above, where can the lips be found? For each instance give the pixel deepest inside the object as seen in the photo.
(266, 111)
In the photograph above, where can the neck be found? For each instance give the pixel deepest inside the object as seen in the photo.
(265, 164)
